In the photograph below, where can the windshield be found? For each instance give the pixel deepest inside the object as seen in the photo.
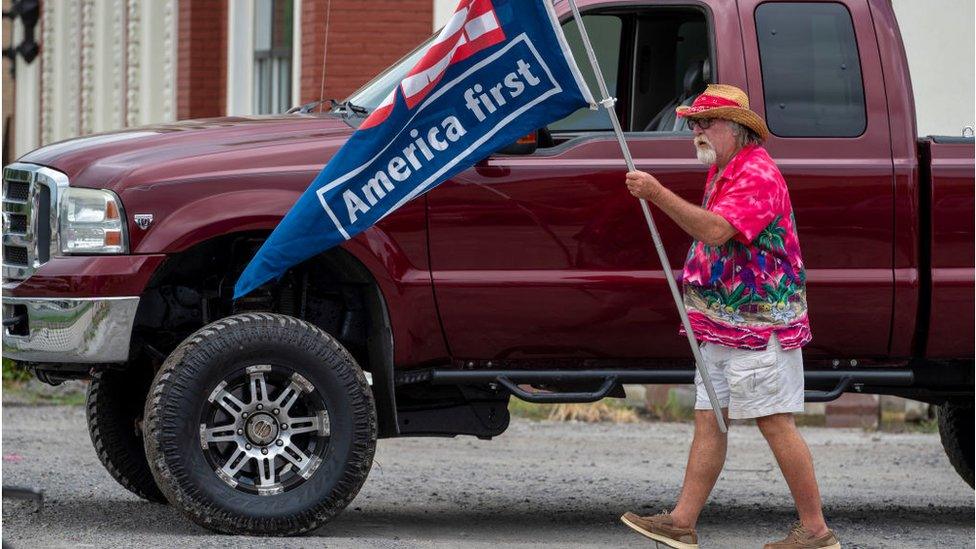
(374, 92)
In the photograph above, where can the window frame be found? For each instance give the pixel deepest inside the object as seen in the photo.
(626, 76)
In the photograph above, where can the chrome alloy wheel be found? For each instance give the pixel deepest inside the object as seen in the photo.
(264, 430)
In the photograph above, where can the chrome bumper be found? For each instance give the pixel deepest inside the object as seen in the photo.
(79, 330)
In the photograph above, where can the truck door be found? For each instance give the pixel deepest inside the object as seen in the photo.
(814, 74)
(547, 256)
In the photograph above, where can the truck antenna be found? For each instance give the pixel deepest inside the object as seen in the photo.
(325, 53)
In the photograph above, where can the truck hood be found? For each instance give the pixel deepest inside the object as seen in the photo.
(196, 149)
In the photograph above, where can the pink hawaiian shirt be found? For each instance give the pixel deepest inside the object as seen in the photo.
(740, 293)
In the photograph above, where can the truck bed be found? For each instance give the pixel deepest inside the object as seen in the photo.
(947, 165)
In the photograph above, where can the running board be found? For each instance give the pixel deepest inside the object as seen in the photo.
(840, 380)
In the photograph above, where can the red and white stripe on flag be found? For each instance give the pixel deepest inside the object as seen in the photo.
(472, 28)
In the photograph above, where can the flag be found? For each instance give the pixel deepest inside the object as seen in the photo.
(497, 71)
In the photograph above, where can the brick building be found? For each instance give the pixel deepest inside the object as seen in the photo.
(109, 64)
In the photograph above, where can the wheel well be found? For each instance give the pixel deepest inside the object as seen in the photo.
(333, 291)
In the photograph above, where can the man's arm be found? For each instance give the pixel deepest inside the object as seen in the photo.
(703, 225)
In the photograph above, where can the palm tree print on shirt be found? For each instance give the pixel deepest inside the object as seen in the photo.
(772, 237)
(772, 299)
(727, 304)
(777, 302)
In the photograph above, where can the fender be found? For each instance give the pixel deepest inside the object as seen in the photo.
(213, 216)
(401, 275)
(407, 289)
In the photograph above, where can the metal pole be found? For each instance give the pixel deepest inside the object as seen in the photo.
(607, 103)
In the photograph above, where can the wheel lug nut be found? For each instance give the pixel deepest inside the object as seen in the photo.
(244, 415)
(260, 406)
(240, 431)
(247, 446)
(284, 426)
(264, 451)
(279, 442)
(275, 411)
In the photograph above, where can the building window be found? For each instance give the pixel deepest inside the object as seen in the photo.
(273, 28)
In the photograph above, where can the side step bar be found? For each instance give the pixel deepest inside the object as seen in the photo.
(840, 380)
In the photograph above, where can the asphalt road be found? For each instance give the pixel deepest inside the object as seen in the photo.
(541, 483)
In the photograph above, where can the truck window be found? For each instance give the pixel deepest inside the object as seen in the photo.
(653, 60)
(374, 91)
(811, 70)
(604, 31)
(672, 66)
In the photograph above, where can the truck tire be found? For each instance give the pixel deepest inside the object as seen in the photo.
(114, 407)
(956, 430)
(260, 424)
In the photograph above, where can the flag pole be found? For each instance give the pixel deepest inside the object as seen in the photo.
(608, 103)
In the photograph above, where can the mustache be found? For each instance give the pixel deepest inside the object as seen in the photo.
(702, 140)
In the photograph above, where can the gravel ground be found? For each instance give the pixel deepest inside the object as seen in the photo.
(541, 483)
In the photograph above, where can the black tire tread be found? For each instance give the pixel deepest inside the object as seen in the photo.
(956, 431)
(120, 452)
(190, 355)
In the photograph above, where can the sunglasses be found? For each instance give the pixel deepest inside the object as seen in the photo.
(703, 123)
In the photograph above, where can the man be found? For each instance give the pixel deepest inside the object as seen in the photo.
(744, 288)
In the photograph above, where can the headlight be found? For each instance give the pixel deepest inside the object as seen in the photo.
(91, 222)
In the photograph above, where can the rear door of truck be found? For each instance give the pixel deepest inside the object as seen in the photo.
(814, 74)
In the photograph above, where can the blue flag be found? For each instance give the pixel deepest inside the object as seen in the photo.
(497, 71)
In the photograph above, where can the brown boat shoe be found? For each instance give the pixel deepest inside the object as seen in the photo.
(799, 537)
(660, 529)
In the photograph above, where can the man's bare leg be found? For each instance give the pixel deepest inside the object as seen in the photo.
(794, 459)
(705, 461)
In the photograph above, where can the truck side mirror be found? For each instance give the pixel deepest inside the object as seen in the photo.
(525, 145)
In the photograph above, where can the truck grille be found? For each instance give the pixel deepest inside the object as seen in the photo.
(18, 190)
(14, 255)
(29, 210)
(18, 223)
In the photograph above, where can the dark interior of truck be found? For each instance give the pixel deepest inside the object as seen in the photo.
(653, 60)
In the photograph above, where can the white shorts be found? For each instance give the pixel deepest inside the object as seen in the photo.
(752, 383)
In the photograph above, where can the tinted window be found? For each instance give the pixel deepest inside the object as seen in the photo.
(604, 32)
(811, 70)
(671, 67)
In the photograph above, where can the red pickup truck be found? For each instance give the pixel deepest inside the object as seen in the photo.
(531, 274)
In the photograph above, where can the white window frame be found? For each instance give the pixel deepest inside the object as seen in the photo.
(240, 56)
(27, 95)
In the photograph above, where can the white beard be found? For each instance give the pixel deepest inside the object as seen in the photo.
(706, 154)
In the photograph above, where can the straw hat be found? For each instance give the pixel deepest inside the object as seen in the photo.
(728, 103)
